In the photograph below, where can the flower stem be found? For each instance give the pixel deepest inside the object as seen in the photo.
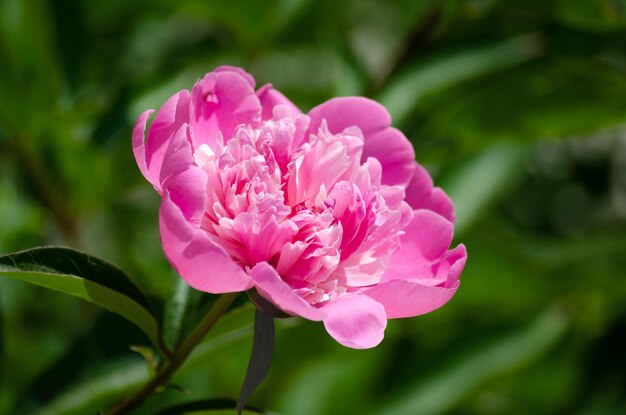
(178, 357)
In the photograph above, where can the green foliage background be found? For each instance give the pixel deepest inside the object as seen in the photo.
(517, 107)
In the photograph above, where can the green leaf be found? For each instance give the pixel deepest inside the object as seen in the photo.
(83, 276)
(261, 357)
(207, 406)
(442, 391)
(148, 354)
(175, 309)
(404, 92)
(479, 181)
(111, 384)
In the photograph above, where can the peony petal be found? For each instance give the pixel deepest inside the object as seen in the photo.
(179, 154)
(355, 321)
(455, 260)
(395, 153)
(402, 298)
(426, 240)
(220, 102)
(420, 194)
(173, 114)
(341, 113)
(440, 202)
(139, 143)
(187, 190)
(270, 97)
(245, 75)
(429, 234)
(387, 144)
(202, 264)
(269, 285)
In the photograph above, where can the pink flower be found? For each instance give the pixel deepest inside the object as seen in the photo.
(326, 214)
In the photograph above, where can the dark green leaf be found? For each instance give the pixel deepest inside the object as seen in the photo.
(261, 357)
(114, 382)
(83, 276)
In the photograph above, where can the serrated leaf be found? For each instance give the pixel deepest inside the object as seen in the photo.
(86, 277)
(261, 357)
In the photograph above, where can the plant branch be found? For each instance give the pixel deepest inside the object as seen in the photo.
(178, 357)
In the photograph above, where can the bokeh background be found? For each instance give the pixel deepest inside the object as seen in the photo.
(516, 107)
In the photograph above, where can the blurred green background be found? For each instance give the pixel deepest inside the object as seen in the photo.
(517, 108)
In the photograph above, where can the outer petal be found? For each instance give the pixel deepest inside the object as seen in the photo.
(387, 144)
(245, 75)
(269, 284)
(420, 194)
(179, 154)
(221, 101)
(204, 265)
(270, 97)
(187, 191)
(355, 321)
(408, 298)
(426, 240)
(139, 143)
(403, 298)
(173, 114)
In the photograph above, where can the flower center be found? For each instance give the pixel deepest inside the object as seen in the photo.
(306, 205)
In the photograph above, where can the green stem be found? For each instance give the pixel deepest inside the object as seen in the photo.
(178, 357)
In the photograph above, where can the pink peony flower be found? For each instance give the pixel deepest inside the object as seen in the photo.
(326, 214)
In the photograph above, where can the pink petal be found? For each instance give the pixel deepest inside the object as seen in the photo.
(403, 298)
(179, 154)
(221, 101)
(202, 264)
(270, 97)
(245, 75)
(355, 321)
(428, 234)
(139, 143)
(343, 112)
(426, 240)
(269, 284)
(387, 144)
(173, 114)
(420, 194)
(440, 202)
(419, 188)
(187, 191)
(394, 152)
(456, 259)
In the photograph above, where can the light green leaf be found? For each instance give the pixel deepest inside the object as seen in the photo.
(441, 392)
(83, 276)
(480, 180)
(404, 92)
